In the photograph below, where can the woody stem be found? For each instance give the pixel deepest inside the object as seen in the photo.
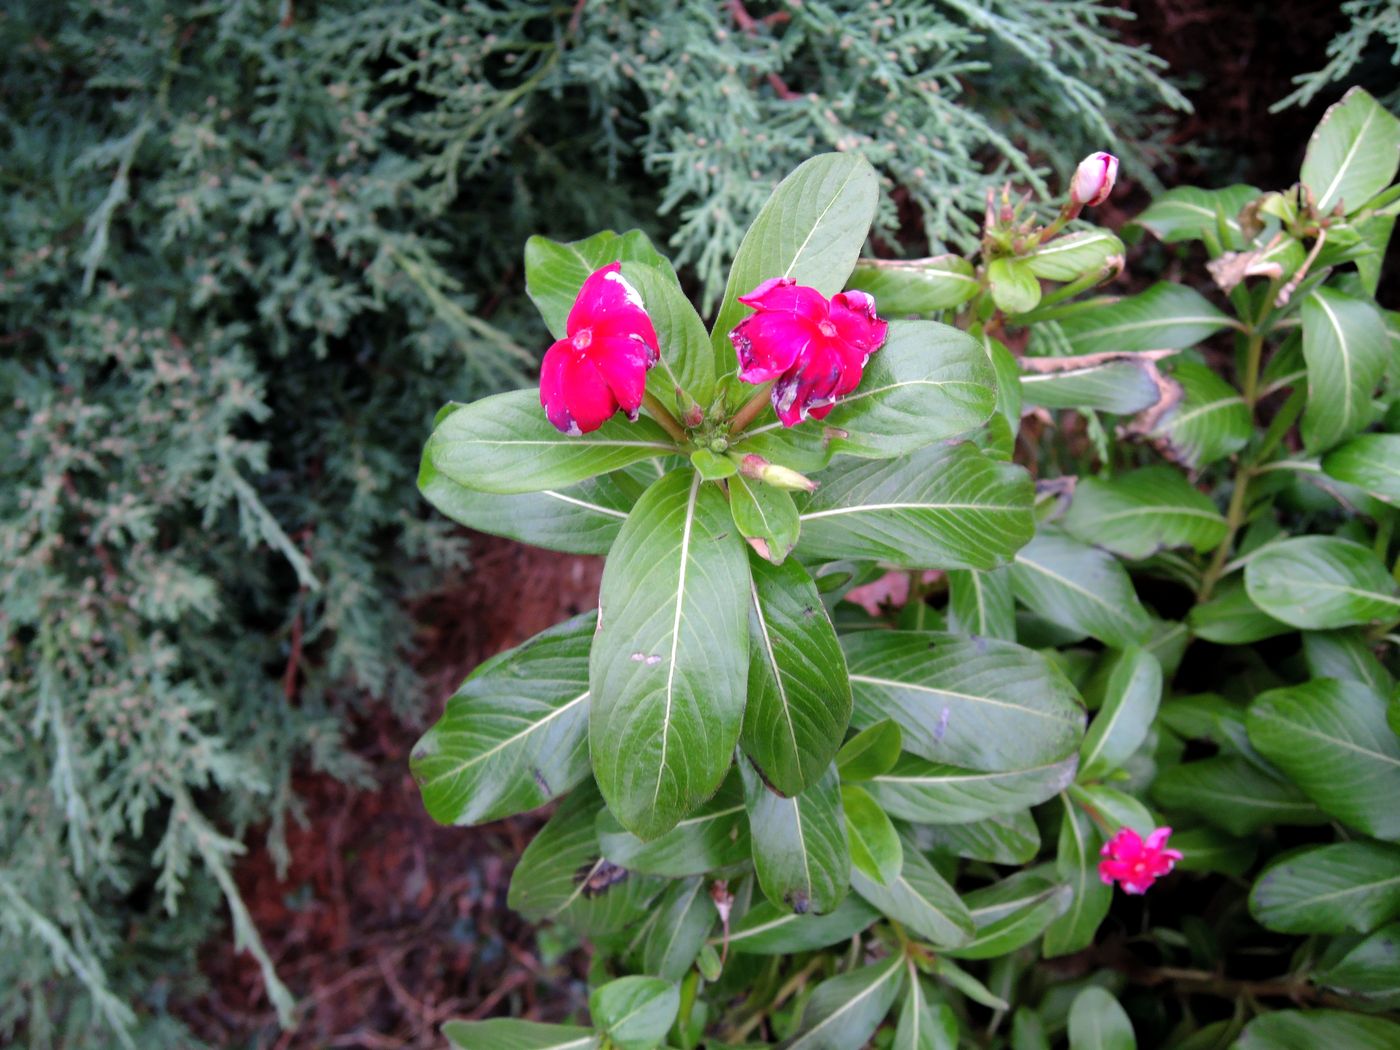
(669, 423)
(752, 407)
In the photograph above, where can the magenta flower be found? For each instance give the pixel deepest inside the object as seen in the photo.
(814, 348)
(1134, 864)
(1093, 179)
(601, 365)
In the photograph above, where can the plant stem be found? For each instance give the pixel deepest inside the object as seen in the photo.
(1234, 518)
(793, 985)
(749, 412)
(669, 423)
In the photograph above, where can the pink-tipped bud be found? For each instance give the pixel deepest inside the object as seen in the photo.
(760, 469)
(1093, 179)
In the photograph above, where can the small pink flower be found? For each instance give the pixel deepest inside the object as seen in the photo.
(1093, 179)
(601, 365)
(1134, 864)
(813, 347)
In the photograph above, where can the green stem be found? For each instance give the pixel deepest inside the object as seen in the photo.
(749, 412)
(786, 992)
(669, 423)
(1234, 519)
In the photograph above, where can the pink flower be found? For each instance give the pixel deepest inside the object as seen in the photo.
(813, 347)
(1093, 179)
(1134, 864)
(601, 365)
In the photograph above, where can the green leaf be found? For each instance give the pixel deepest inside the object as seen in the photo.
(924, 1024)
(1131, 696)
(970, 986)
(975, 703)
(916, 286)
(1370, 968)
(504, 1034)
(685, 360)
(1209, 423)
(943, 507)
(1320, 582)
(1079, 587)
(1117, 808)
(982, 603)
(1076, 860)
(1008, 838)
(711, 467)
(1345, 655)
(932, 793)
(1165, 317)
(504, 444)
(1233, 793)
(714, 836)
(635, 1012)
(515, 733)
(1230, 618)
(799, 699)
(870, 752)
(765, 516)
(800, 848)
(767, 929)
(1346, 348)
(554, 272)
(1117, 383)
(928, 382)
(1205, 849)
(563, 876)
(919, 898)
(1139, 512)
(845, 1010)
(1013, 284)
(875, 848)
(1074, 255)
(1028, 1030)
(1353, 154)
(1313, 1029)
(1332, 740)
(811, 229)
(684, 918)
(1329, 889)
(1097, 1022)
(1012, 913)
(1370, 462)
(1190, 214)
(669, 664)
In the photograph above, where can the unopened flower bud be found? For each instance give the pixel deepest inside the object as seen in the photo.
(694, 416)
(1093, 179)
(760, 469)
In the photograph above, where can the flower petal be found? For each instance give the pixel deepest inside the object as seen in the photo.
(853, 315)
(552, 387)
(785, 295)
(608, 304)
(623, 362)
(769, 344)
(589, 400)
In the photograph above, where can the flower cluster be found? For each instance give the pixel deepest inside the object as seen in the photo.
(1135, 863)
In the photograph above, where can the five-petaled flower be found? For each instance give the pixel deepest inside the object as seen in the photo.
(1094, 179)
(1135, 863)
(601, 363)
(813, 347)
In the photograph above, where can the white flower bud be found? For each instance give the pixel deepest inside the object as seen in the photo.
(1093, 179)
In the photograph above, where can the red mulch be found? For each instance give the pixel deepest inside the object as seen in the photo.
(386, 924)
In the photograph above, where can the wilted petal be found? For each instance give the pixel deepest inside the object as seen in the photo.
(768, 344)
(853, 315)
(784, 295)
(586, 393)
(623, 362)
(552, 387)
(608, 304)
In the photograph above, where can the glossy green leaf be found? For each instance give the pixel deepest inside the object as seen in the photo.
(876, 851)
(928, 792)
(1074, 255)
(1165, 317)
(1006, 838)
(505, 1034)
(1012, 913)
(924, 1024)
(1321, 582)
(1014, 286)
(1346, 348)
(1114, 382)
(1353, 154)
(765, 516)
(768, 930)
(1079, 587)
(1233, 793)
(1230, 618)
(1186, 213)
(1372, 967)
(555, 271)
(1332, 740)
(1346, 655)
(1329, 889)
(1117, 809)
(845, 1010)
(1132, 692)
(1028, 1030)
(811, 229)
(515, 733)
(685, 360)
(635, 1012)
(715, 836)
(800, 847)
(504, 444)
(916, 286)
(919, 898)
(1210, 421)
(684, 918)
(943, 507)
(669, 664)
(1370, 462)
(1076, 861)
(1316, 1029)
(799, 699)
(870, 752)
(1097, 1022)
(976, 703)
(1139, 512)
(1206, 849)
(712, 467)
(982, 603)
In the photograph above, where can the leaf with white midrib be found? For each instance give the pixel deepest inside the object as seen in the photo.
(867, 998)
(1345, 347)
